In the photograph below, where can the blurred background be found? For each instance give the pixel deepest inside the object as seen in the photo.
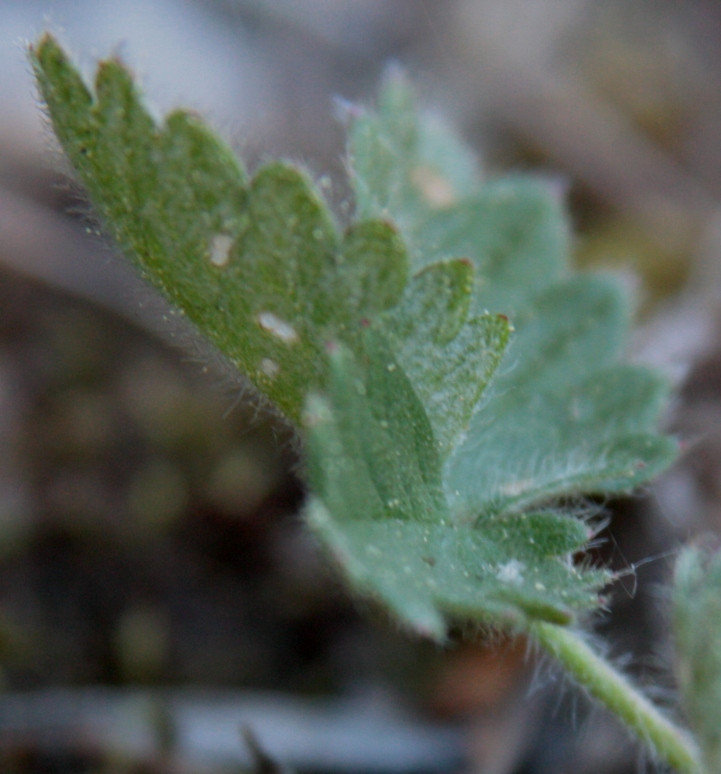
(157, 591)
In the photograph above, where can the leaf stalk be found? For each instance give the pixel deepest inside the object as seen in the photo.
(592, 672)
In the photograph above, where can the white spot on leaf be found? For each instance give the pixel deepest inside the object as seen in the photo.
(278, 328)
(511, 572)
(220, 246)
(269, 367)
(515, 488)
(435, 188)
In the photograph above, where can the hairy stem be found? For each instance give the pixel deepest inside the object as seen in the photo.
(668, 742)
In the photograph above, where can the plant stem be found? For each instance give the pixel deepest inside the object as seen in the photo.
(669, 742)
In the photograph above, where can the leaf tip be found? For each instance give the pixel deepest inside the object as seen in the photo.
(46, 44)
(47, 56)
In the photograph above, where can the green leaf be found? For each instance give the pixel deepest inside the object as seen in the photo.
(448, 358)
(564, 417)
(381, 436)
(404, 168)
(434, 470)
(514, 230)
(697, 632)
(258, 266)
(377, 506)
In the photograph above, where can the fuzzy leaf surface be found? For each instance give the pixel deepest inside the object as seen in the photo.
(257, 265)
(562, 418)
(565, 417)
(433, 465)
(448, 356)
(405, 548)
(697, 634)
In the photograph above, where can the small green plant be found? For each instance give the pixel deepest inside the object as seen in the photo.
(455, 383)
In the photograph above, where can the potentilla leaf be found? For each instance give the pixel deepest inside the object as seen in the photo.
(563, 417)
(513, 230)
(381, 435)
(697, 635)
(404, 168)
(429, 574)
(453, 377)
(566, 417)
(377, 506)
(257, 265)
(531, 441)
(448, 358)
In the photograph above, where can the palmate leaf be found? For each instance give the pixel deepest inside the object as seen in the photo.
(379, 507)
(431, 488)
(565, 418)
